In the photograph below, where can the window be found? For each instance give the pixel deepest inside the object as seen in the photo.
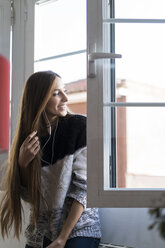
(46, 36)
(60, 45)
(125, 95)
(126, 100)
(60, 38)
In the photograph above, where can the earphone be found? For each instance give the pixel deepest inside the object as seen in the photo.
(50, 128)
(50, 132)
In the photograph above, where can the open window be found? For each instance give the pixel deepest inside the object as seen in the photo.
(126, 103)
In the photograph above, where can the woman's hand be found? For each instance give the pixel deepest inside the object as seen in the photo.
(58, 243)
(28, 150)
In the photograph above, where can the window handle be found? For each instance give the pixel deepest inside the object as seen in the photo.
(93, 56)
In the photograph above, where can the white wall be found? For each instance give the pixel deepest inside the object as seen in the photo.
(129, 227)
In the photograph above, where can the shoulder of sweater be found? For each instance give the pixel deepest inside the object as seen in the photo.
(75, 122)
(72, 131)
(78, 120)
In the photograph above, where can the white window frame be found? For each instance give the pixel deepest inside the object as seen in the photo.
(5, 28)
(96, 195)
(22, 53)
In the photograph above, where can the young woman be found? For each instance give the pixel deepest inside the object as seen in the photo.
(47, 168)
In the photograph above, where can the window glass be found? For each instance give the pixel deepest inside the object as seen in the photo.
(139, 9)
(60, 27)
(140, 147)
(71, 68)
(140, 73)
(133, 136)
(60, 38)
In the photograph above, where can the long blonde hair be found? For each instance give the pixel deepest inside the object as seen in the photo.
(36, 94)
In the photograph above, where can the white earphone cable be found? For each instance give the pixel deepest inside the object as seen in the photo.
(50, 132)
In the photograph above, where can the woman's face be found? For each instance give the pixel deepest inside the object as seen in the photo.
(57, 102)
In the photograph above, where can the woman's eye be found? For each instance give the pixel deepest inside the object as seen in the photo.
(56, 93)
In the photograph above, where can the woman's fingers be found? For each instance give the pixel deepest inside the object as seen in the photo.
(29, 138)
(37, 150)
(36, 146)
(32, 143)
(33, 146)
(29, 149)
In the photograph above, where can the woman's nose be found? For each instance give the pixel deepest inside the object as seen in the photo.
(65, 97)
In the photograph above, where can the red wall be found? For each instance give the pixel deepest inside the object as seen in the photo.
(4, 103)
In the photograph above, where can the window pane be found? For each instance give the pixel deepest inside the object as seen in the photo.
(134, 136)
(60, 27)
(140, 74)
(139, 8)
(140, 147)
(71, 68)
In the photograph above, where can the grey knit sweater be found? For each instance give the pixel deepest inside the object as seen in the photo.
(63, 181)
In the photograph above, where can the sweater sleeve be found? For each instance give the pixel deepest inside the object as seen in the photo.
(78, 184)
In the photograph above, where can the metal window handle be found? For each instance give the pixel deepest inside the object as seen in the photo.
(93, 56)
